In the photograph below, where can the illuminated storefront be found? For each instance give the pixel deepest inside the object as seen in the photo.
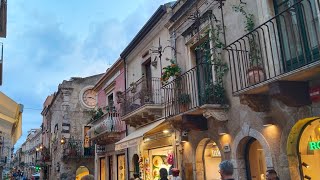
(255, 160)
(309, 148)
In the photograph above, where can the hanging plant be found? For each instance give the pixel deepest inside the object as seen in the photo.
(172, 70)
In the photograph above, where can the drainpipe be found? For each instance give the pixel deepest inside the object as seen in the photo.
(125, 87)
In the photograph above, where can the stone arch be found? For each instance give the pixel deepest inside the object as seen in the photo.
(238, 150)
(199, 157)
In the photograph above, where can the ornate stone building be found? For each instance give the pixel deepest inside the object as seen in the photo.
(71, 155)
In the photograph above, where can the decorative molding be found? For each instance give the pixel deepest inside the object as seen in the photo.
(217, 114)
(258, 103)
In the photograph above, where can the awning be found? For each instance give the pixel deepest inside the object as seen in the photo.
(10, 117)
(135, 137)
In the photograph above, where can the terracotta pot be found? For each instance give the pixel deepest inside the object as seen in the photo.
(255, 75)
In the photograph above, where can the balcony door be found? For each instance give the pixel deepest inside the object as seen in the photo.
(204, 71)
(298, 28)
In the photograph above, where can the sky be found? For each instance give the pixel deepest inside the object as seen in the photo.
(49, 41)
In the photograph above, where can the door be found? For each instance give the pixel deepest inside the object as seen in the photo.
(298, 29)
(110, 168)
(148, 78)
(204, 72)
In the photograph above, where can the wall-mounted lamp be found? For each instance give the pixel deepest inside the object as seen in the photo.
(222, 130)
(166, 131)
(41, 147)
(147, 139)
(184, 136)
(307, 177)
(268, 121)
(305, 165)
(63, 140)
(37, 149)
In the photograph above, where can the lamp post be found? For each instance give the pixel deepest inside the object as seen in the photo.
(160, 50)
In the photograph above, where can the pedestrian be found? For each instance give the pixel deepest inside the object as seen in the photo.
(272, 175)
(175, 174)
(226, 170)
(163, 174)
(88, 177)
(136, 176)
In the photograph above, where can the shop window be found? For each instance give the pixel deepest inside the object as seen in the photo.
(255, 160)
(309, 150)
(121, 167)
(212, 159)
(102, 169)
(110, 100)
(159, 159)
(135, 160)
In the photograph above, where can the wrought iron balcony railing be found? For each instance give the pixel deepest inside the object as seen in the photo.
(142, 92)
(108, 123)
(285, 44)
(191, 90)
(77, 149)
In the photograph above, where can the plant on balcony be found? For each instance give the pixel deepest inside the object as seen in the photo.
(133, 86)
(96, 114)
(255, 72)
(184, 100)
(171, 70)
(214, 92)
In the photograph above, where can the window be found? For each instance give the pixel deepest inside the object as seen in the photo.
(110, 99)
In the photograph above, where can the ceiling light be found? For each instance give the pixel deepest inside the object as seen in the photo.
(166, 131)
(268, 121)
(305, 165)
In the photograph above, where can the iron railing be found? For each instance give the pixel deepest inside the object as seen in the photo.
(108, 122)
(285, 43)
(77, 149)
(142, 92)
(190, 90)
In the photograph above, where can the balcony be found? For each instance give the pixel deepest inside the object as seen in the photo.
(75, 149)
(142, 102)
(193, 94)
(283, 49)
(107, 129)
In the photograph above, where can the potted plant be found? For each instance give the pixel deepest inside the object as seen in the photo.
(133, 86)
(255, 71)
(172, 70)
(184, 101)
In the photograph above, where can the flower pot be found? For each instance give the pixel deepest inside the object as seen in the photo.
(183, 107)
(255, 75)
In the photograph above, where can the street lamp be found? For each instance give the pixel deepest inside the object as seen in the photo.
(63, 140)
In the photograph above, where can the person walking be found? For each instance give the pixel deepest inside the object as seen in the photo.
(175, 174)
(136, 176)
(226, 170)
(163, 174)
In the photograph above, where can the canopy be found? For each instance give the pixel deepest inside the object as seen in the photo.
(135, 137)
(10, 117)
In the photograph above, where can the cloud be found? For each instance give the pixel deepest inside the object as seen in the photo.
(42, 49)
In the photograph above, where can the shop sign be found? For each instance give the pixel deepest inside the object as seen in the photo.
(314, 145)
(216, 153)
(100, 149)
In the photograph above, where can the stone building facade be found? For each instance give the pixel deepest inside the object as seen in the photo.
(68, 113)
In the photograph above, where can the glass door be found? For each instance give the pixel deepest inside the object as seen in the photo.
(204, 72)
(298, 28)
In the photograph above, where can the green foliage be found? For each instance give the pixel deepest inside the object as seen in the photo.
(254, 53)
(96, 114)
(184, 98)
(214, 92)
(171, 70)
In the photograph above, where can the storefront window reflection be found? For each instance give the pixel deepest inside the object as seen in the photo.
(309, 148)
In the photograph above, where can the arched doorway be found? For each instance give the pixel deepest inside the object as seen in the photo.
(255, 160)
(208, 158)
(136, 166)
(303, 147)
(81, 171)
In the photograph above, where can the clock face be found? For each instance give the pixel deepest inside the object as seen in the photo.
(89, 98)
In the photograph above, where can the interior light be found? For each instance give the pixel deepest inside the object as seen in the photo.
(305, 165)
(147, 139)
(166, 131)
(37, 149)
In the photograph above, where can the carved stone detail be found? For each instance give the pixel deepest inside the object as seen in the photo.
(258, 103)
(217, 114)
